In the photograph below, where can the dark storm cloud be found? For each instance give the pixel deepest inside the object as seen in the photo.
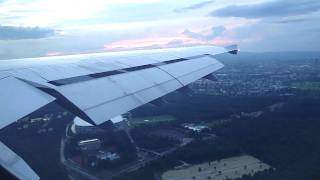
(194, 6)
(16, 33)
(215, 32)
(275, 8)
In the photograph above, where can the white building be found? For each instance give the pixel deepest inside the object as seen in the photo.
(80, 126)
(196, 128)
(90, 145)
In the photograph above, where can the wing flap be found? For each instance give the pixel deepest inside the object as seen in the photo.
(90, 93)
(108, 110)
(200, 73)
(101, 90)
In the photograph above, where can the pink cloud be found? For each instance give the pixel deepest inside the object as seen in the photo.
(153, 42)
(55, 53)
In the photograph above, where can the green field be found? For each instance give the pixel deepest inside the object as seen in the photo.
(307, 86)
(218, 123)
(229, 168)
(152, 119)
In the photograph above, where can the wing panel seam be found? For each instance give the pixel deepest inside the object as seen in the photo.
(78, 79)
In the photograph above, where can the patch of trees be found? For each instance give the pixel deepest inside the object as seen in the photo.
(114, 141)
(207, 150)
(40, 151)
(151, 170)
(206, 108)
(288, 140)
(145, 139)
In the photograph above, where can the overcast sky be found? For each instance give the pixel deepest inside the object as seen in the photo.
(52, 27)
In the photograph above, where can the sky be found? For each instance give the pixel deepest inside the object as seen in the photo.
(30, 28)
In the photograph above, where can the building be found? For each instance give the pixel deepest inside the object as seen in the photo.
(82, 127)
(195, 128)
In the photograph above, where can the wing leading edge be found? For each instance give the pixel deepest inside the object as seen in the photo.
(98, 87)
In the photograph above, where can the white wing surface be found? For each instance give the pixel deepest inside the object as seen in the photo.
(96, 87)
(99, 87)
(15, 164)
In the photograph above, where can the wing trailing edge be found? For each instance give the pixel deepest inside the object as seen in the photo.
(18, 99)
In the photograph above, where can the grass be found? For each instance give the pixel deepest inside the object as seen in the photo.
(229, 168)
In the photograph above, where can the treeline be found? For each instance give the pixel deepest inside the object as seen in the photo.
(206, 108)
(206, 150)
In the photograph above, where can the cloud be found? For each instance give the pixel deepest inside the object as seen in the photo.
(275, 8)
(214, 32)
(194, 6)
(55, 53)
(297, 19)
(58, 13)
(151, 43)
(218, 35)
(16, 33)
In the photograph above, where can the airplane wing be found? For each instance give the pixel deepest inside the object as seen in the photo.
(99, 87)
